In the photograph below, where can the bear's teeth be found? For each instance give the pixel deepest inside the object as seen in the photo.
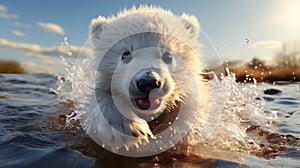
(155, 101)
(143, 103)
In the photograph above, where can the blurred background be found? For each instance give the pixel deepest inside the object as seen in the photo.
(255, 39)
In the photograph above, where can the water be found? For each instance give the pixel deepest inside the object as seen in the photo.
(264, 131)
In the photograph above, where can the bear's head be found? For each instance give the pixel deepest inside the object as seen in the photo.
(148, 67)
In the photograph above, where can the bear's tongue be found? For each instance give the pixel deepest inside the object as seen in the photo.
(145, 103)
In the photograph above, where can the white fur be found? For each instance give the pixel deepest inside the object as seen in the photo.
(113, 106)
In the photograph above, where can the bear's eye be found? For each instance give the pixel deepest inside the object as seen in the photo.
(126, 57)
(167, 57)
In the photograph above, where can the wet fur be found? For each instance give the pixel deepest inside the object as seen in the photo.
(140, 29)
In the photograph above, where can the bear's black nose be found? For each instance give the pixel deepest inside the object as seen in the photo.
(147, 84)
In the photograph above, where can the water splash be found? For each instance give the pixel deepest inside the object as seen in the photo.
(243, 107)
(74, 86)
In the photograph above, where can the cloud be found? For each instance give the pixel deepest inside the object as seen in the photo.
(18, 33)
(3, 8)
(51, 27)
(20, 46)
(50, 51)
(267, 44)
(42, 58)
(49, 62)
(36, 68)
(8, 16)
(23, 25)
(5, 15)
(36, 55)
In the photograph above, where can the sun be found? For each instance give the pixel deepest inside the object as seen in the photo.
(292, 12)
(287, 15)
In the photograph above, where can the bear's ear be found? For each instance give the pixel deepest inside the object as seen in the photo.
(96, 24)
(191, 24)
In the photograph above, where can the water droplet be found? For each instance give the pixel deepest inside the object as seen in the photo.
(115, 149)
(65, 42)
(254, 81)
(70, 53)
(62, 59)
(153, 137)
(247, 40)
(51, 90)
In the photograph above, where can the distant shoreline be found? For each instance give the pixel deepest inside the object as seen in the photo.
(269, 75)
(11, 67)
(284, 69)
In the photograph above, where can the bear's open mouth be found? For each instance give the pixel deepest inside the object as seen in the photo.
(147, 103)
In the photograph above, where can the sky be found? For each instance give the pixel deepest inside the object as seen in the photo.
(31, 31)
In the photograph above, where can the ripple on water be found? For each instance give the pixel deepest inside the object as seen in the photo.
(33, 131)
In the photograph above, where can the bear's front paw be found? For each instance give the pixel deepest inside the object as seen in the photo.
(140, 129)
